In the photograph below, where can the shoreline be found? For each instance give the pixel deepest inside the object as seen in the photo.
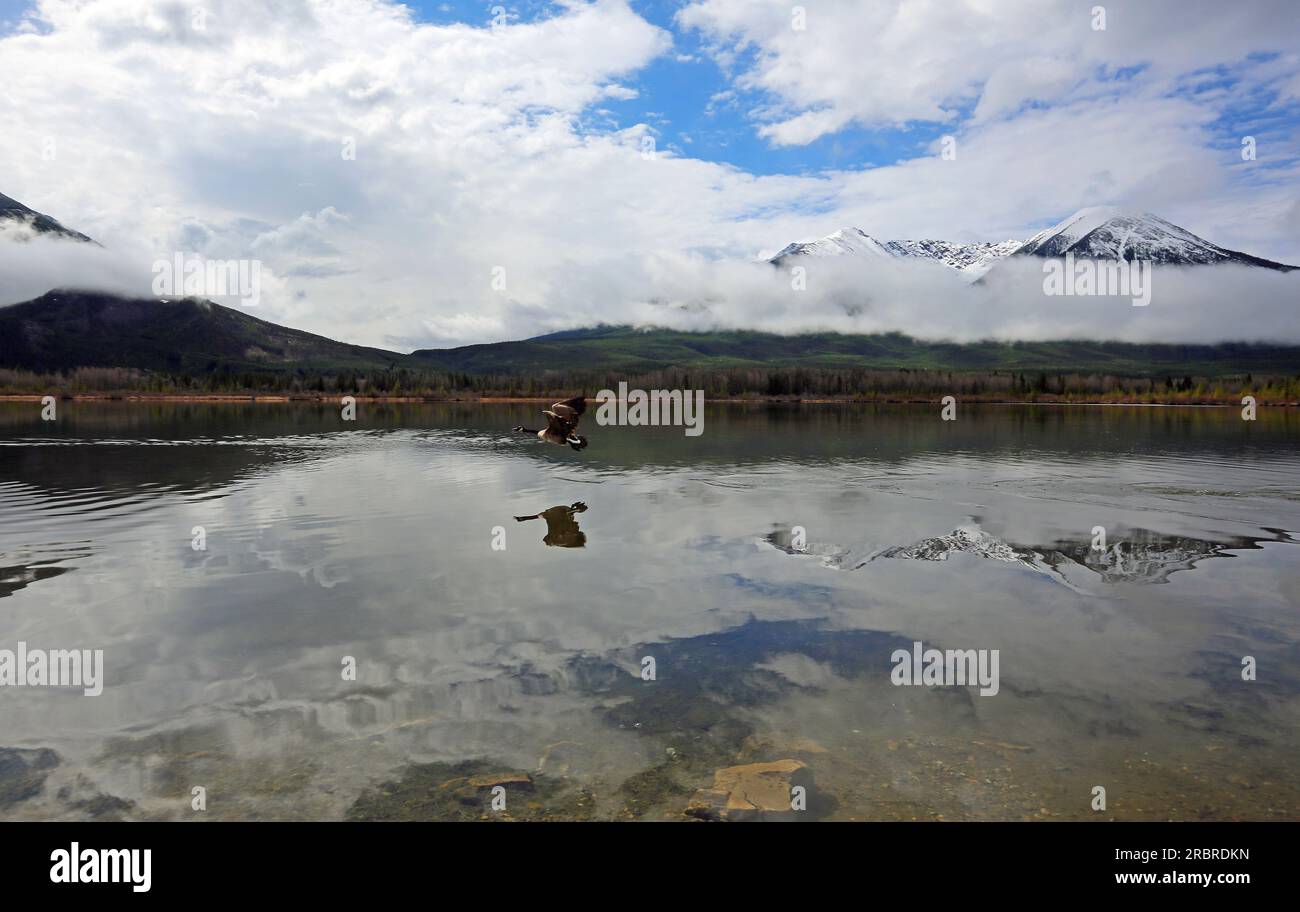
(935, 399)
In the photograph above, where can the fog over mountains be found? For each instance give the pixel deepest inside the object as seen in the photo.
(927, 289)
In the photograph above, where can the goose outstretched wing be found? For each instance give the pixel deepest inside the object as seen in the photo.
(562, 418)
(571, 408)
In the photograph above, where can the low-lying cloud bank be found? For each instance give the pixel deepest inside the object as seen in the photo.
(1186, 304)
(31, 265)
(927, 301)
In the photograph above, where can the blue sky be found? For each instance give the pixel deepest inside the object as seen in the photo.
(695, 108)
(676, 98)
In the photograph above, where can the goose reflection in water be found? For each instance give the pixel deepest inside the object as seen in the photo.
(561, 528)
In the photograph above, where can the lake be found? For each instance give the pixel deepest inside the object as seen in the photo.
(307, 618)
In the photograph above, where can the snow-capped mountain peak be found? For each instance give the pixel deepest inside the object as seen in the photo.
(852, 241)
(1097, 232)
(1087, 220)
(1112, 232)
(971, 260)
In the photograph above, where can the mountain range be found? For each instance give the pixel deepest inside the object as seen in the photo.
(971, 260)
(65, 329)
(1100, 232)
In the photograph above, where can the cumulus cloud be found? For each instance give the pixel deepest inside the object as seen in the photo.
(414, 185)
(895, 61)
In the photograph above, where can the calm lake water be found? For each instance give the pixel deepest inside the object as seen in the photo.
(769, 567)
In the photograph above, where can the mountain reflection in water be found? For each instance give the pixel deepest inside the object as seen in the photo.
(1140, 556)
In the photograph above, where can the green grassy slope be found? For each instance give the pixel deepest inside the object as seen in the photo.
(622, 348)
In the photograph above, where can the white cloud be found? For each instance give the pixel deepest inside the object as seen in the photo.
(851, 295)
(895, 61)
(31, 266)
(473, 151)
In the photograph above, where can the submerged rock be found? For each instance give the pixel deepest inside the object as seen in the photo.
(753, 791)
(464, 791)
(23, 773)
(651, 789)
(83, 796)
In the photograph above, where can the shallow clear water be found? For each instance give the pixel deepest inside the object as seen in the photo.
(374, 540)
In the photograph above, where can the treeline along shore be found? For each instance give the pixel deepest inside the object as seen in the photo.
(767, 383)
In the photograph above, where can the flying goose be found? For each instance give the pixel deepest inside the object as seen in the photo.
(562, 423)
